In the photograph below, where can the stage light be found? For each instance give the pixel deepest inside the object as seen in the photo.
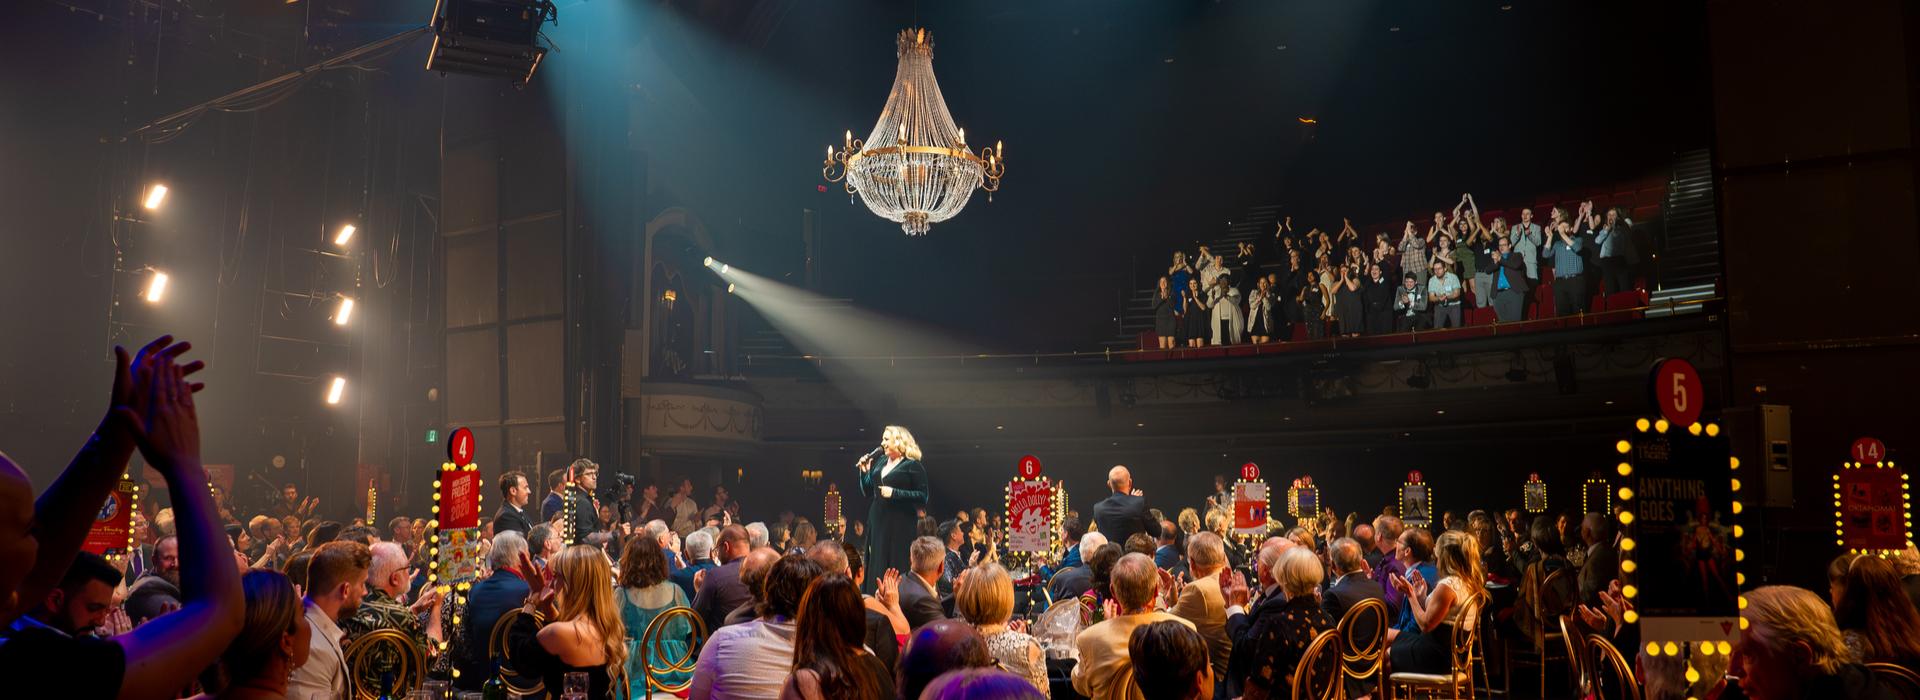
(155, 196)
(334, 391)
(156, 287)
(708, 262)
(345, 312)
(494, 38)
(346, 234)
(730, 288)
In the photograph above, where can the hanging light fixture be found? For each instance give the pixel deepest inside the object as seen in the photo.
(915, 167)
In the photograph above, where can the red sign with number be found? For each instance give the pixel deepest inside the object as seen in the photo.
(1249, 471)
(460, 447)
(1029, 467)
(459, 500)
(1867, 450)
(1676, 390)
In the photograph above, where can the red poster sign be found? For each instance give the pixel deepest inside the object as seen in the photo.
(108, 535)
(1029, 516)
(459, 499)
(1873, 513)
(1250, 503)
(1867, 450)
(1676, 390)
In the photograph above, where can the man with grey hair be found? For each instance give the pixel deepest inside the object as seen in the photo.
(489, 600)
(1203, 602)
(1075, 580)
(387, 580)
(757, 535)
(1104, 656)
(1351, 584)
(699, 548)
(918, 598)
(753, 573)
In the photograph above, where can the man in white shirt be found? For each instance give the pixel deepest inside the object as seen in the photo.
(1443, 295)
(336, 581)
(752, 660)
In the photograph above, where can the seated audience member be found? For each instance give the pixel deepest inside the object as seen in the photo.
(1350, 586)
(699, 548)
(830, 659)
(753, 659)
(80, 603)
(721, 590)
(1791, 649)
(151, 599)
(1071, 581)
(150, 407)
(1140, 543)
(886, 624)
(489, 600)
(953, 536)
(1170, 662)
(980, 684)
(1415, 555)
(1100, 571)
(1877, 622)
(1287, 629)
(1166, 552)
(940, 647)
(753, 574)
(381, 609)
(1601, 564)
(1386, 532)
(1553, 598)
(919, 589)
(271, 644)
(336, 582)
(1438, 607)
(582, 632)
(1203, 603)
(987, 602)
(644, 592)
(1243, 623)
(1104, 661)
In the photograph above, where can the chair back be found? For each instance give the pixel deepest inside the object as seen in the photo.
(1609, 663)
(498, 648)
(1465, 633)
(1577, 660)
(655, 634)
(390, 645)
(1318, 677)
(1363, 638)
(1900, 679)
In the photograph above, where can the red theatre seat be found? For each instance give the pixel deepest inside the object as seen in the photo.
(1481, 317)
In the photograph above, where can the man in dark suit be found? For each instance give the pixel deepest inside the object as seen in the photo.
(1123, 513)
(1166, 553)
(1510, 285)
(1075, 580)
(721, 590)
(513, 513)
(753, 576)
(1603, 562)
(1241, 620)
(487, 602)
(1351, 582)
(699, 548)
(954, 538)
(918, 597)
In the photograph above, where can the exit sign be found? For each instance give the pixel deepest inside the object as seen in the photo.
(433, 436)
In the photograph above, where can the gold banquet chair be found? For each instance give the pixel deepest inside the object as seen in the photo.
(1459, 678)
(1363, 659)
(1324, 651)
(655, 634)
(497, 648)
(1609, 663)
(410, 662)
(1902, 680)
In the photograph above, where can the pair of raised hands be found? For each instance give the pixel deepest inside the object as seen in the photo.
(152, 402)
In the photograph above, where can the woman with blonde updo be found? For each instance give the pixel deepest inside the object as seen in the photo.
(895, 489)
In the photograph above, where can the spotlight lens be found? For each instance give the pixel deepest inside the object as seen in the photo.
(335, 391)
(730, 289)
(708, 262)
(155, 196)
(156, 287)
(341, 316)
(346, 234)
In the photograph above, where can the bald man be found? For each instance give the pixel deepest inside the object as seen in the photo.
(1123, 514)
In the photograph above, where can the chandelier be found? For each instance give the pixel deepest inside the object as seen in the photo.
(916, 167)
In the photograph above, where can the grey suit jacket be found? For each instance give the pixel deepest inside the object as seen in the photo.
(920, 604)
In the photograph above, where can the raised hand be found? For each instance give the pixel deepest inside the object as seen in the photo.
(1238, 593)
(887, 588)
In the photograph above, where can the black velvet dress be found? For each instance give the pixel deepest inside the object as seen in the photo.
(891, 521)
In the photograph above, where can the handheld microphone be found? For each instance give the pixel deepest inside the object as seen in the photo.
(870, 455)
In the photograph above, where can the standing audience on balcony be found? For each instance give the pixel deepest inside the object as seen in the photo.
(1617, 254)
(1410, 305)
(1350, 309)
(1196, 315)
(1413, 253)
(1509, 283)
(1376, 300)
(1312, 301)
(1164, 313)
(1227, 323)
(1563, 251)
(1261, 315)
(1443, 295)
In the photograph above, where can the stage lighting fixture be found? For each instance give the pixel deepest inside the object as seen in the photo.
(155, 196)
(730, 288)
(156, 287)
(708, 262)
(345, 312)
(494, 38)
(335, 390)
(346, 234)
